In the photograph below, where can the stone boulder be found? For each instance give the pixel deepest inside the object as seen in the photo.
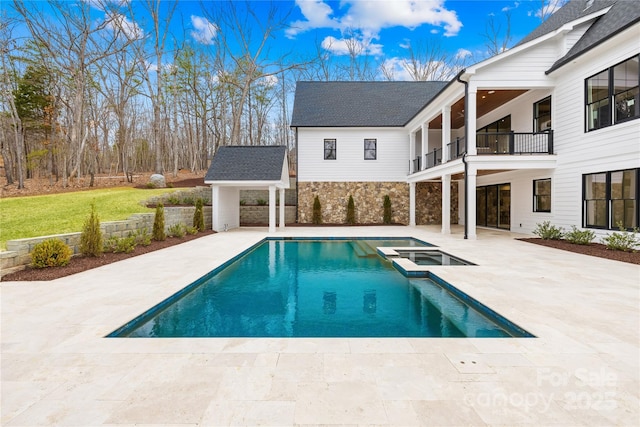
(158, 180)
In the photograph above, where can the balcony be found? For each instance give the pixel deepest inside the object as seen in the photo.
(514, 143)
(493, 143)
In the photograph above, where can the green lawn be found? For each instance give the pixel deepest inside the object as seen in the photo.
(34, 216)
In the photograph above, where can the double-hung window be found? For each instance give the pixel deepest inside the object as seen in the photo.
(370, 149)
(611, 199)
(612, 95)
(330, 149)
(542, 195)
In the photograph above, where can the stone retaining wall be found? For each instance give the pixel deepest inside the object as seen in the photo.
(368, 199)
(18, 253)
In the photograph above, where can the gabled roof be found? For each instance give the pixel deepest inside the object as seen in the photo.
(360, 104)
(247, 163)
(621, 15)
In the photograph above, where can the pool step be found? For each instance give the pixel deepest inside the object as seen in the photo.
(363, 249)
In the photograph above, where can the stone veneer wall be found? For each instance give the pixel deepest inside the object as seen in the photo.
(429, 203)
(18, 253)
(368, 199)
(259, 215)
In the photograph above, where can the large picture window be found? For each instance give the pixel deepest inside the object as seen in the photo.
(610, 199)
(542, 195)
(612, 95)
(329, 149)
(370, 149)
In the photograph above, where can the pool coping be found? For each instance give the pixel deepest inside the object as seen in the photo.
(58, 369)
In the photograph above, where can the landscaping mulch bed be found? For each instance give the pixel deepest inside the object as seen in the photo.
(82, 263)
(593, 249)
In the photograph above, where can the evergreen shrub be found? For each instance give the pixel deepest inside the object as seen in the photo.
(51, 253)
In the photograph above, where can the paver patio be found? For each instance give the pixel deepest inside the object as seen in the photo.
(582, 369)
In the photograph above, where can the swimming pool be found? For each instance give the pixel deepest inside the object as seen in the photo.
(311, 288)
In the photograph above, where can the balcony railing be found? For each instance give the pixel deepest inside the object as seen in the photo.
(433, 158)
(511, 143)
(457, 148)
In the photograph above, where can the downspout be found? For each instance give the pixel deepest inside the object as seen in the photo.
(464, 156)
(295, 131)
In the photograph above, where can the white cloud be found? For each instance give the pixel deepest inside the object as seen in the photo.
(347, 46)
(369, 17)
(549, 7)
(268, 81)
(204, 31)
(396, 69)
(119, 22)
(463, 53)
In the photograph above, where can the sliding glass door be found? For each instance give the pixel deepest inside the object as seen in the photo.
(493, 206)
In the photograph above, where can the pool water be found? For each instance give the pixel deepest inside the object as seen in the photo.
(432, 258)
(305, 288)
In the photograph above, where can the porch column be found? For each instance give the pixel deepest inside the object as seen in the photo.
(446, 132)
(471, 202)
(471, 122)
(446, 204)
(412, 151)
(425, 144)
(412, 204)
(282, 208)
(272, 209)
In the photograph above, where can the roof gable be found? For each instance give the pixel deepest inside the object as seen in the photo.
(360, 104)
(248, 163)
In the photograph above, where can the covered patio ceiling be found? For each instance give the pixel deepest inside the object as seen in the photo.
(486, 101)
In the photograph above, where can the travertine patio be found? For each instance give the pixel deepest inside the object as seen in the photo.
(582, 369)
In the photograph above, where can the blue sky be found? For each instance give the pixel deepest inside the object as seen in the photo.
(382, 29)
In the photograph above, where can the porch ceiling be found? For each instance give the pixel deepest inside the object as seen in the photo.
(486, 101)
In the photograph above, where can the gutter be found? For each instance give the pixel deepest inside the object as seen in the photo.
(464, 156)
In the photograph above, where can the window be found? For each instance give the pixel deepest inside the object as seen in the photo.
(370, 152)
(494, 138)
(542, 115)
(329, 149)
(612, 95)
(611, 198)
(542, 195)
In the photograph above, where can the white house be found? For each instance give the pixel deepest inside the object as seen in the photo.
(548, 130)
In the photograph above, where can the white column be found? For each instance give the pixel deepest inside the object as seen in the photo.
(272, 209)
(446, 132)
(471, 122)
(425, 144)
(412, 204)
(446, 204)
(471, 203)
(282, 212)
(215, 208)
(412, 151)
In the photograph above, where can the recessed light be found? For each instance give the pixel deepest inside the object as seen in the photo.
(491, 92)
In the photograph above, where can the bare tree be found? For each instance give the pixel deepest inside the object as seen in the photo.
(496, 39)
(74, 42)
(428, 61)
(7, 79)
(248, 56)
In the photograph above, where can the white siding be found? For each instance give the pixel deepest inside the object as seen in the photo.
(611, 148)
(391, 164)
(523, 218)
(521, 70)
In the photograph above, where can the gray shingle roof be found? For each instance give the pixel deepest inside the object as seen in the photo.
(623, 14)
(360, 104)
(247, 163)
